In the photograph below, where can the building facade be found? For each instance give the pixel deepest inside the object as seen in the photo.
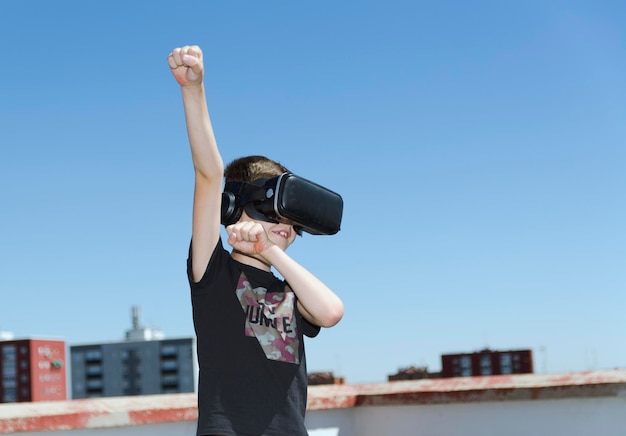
(133, 368)
(487, 362)
(32, 370)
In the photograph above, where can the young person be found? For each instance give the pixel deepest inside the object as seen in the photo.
(249, 323)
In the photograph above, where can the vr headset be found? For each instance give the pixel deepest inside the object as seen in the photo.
(286, 198)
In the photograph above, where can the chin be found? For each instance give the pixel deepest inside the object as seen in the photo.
(282, 242)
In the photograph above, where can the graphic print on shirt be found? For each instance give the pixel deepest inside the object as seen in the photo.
(270, 318)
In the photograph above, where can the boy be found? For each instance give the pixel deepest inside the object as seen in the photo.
(249, 324)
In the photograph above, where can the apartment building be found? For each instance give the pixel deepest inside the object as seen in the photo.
(143, 364)
(32, 370)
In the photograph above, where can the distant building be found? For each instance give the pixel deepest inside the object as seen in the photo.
(487, 362)
(32, 370)
(413, 373)
(146, 363)
(133, 368)
(324, 378)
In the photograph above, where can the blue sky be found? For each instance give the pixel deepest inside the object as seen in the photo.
(479, 148)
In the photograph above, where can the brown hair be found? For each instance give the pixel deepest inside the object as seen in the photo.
(251, 168)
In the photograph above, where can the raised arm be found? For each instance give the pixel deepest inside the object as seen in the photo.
(187, 67)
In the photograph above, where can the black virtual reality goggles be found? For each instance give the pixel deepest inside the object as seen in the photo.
(286, 198)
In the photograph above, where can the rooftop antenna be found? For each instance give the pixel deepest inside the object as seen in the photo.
(139, 333)
(136, 315)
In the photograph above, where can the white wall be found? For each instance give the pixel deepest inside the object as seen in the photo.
(559, 417)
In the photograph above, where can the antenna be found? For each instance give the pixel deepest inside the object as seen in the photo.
(136, 315)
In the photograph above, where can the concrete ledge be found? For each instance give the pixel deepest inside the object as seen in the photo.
(157, 409)
(97, 413)
(609, 383)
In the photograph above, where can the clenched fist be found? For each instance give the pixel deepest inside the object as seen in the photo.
(186, 64)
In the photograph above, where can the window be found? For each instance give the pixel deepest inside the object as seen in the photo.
(9, 381)
(485, 364)
(466, 366)
(94, 384)
(93, 370)
(10, 395)
(9, 366)
(169, 380)
(517, 364)
(93, 355)
(169, 365)
(8, 352)
(169, 350)
(506, 364)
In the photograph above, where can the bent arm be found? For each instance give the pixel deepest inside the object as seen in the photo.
(316, 301)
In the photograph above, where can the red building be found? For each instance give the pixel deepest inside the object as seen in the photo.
(32, 370)
(487, 362)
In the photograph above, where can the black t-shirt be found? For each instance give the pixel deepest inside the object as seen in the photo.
(253, 378)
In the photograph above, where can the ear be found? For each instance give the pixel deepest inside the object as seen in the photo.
(230, 212)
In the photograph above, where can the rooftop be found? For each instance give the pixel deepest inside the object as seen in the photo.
(157, 409)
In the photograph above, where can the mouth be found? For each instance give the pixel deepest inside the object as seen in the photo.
(282, 233)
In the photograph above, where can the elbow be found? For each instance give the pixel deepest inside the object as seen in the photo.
(209, 168)
(332, 316)
(210, 176)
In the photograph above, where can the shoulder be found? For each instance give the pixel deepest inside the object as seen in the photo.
(219, 262)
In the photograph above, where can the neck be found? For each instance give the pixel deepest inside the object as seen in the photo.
(250, 260)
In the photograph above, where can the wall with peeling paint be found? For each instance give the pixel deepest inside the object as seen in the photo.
(568, 404)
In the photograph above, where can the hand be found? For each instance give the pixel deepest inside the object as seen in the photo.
(186, 64)
(248, 237)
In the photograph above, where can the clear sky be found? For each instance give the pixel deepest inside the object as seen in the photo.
(479, 148)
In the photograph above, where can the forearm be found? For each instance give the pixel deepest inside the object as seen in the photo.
(204, 152)
(318, 303)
